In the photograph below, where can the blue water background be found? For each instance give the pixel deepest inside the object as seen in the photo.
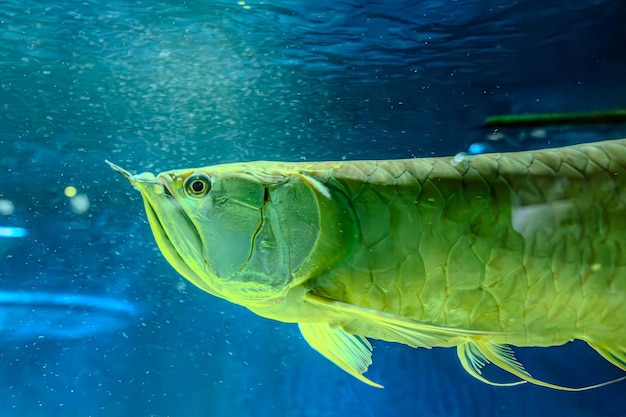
(155, 85)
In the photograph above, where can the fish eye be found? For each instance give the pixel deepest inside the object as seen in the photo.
(197, 185)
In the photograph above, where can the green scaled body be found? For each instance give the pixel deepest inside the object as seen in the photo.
(478, 252)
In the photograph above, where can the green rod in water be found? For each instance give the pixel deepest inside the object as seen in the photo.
(546, 119)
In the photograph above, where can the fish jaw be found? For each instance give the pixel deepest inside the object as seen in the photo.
(168, 223)
(167, 235)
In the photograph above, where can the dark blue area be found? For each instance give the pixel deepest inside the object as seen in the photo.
(154, 85)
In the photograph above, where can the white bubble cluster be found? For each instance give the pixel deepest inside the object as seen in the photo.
(79, 203)
(6, 207)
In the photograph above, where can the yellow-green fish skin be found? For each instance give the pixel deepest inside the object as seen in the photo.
(529, 244)
(515, 248)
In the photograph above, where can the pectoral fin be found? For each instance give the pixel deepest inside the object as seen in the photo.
(351, 353)
(401, 329)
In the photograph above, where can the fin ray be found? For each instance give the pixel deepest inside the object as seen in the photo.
(351, 353)
(473, 360)
(411, 332)
(503, 357)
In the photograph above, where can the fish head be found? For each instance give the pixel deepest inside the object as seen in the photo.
(243, 232)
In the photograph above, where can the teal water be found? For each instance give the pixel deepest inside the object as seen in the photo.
(94, 322)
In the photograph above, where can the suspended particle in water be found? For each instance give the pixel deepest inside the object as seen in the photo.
(70, 191)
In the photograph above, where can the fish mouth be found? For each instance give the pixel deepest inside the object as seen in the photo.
(158, 200)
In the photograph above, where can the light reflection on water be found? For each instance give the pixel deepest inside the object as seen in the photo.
(29, 315)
